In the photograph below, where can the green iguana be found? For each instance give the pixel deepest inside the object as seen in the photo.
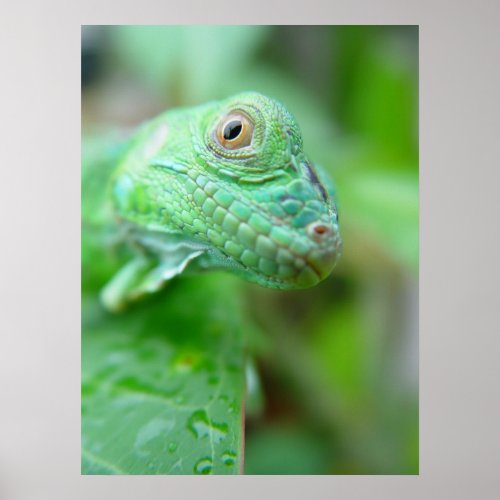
(224, 185)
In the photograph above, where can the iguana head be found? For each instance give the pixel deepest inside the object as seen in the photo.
(232, 176)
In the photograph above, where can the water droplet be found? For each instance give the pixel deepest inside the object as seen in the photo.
(186, 362)
(229, 458)
(203, 466)
(172, 447)
(152, 430)
(201, 426)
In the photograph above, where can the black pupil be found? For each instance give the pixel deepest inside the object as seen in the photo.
(232, 130)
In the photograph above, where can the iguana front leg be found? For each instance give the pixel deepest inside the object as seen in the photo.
(160, 257)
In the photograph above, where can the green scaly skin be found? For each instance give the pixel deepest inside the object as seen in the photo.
(188, 203)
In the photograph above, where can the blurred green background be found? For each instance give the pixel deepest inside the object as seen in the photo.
(337, 365)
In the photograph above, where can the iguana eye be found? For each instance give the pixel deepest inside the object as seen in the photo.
(235, 131)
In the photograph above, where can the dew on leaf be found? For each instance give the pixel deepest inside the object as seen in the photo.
(201, 426)
(229, 458)
(187, 362)
(172, 447)
(153, 429)
(203, 466)
(233, 408)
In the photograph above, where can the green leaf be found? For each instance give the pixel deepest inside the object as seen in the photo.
(163, 384)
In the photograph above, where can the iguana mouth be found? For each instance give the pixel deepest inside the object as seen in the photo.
(303, 270)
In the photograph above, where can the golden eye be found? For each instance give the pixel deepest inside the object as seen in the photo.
(235, 131)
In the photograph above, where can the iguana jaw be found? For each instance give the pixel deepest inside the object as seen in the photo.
(303, 272)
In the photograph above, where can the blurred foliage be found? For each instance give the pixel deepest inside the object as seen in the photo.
(338, 364)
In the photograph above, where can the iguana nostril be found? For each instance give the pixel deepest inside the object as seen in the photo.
(318, 230)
